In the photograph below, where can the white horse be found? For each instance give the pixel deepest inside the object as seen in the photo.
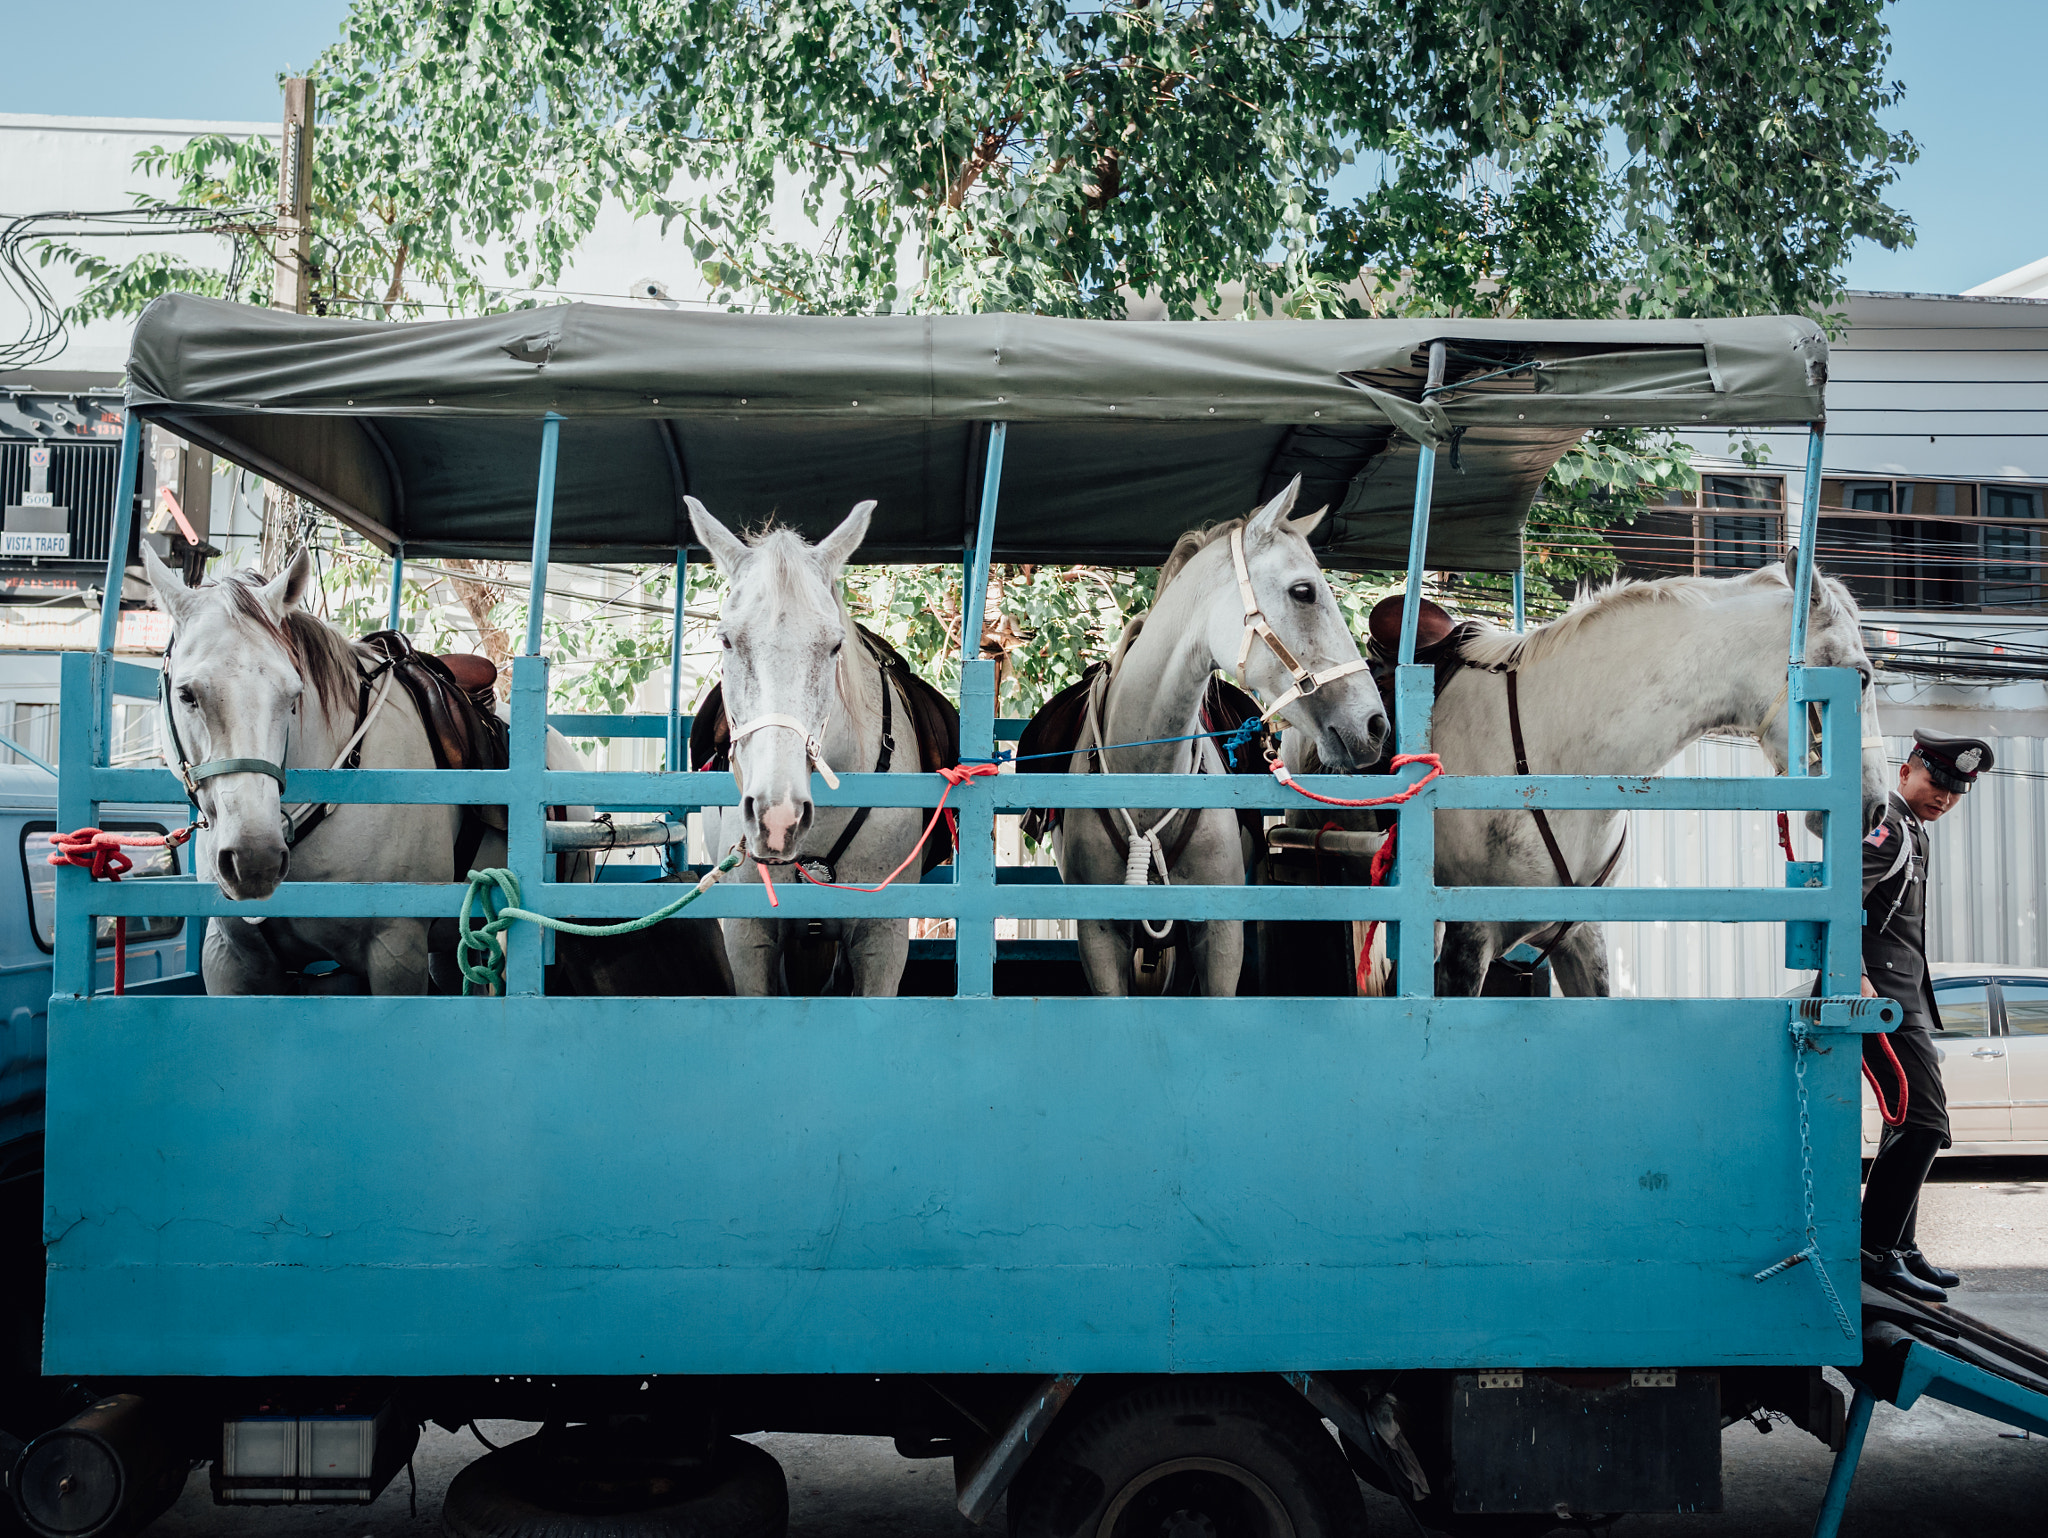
(802, 692)
(250, 676)
(1246, 596)
(1620, 684)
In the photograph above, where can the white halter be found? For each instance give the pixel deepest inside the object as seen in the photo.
(812, 748)
(1256, 628)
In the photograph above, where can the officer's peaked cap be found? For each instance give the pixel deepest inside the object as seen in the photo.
(1953, 763)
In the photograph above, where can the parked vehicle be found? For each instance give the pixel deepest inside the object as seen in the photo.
(1994, 1060)
(1120, 1258)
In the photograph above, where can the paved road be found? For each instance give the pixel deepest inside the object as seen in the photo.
(1933, 1473)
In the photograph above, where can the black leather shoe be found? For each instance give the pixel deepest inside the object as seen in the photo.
(1888, 1271)
(1928, 1271)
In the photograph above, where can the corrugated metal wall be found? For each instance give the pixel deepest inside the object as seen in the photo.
(1989, 869)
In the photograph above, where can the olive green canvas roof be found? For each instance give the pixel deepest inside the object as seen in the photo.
(1122, 434)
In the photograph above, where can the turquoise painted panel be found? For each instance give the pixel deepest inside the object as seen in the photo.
(412, 1187)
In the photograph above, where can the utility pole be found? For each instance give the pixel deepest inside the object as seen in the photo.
(293, 287)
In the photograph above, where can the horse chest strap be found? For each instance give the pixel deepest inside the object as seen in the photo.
(1557, 859)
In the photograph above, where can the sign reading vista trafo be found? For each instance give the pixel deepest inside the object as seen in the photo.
(36, 526)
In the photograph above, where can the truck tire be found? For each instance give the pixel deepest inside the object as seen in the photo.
(1222, 1456)
(495, 1497)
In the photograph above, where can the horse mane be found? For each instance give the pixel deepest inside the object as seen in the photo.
(1191, 544)
(324, 657)
(1496, 648)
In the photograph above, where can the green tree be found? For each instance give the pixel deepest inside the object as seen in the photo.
(1324, 157)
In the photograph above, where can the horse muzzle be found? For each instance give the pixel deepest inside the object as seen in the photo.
(775, 829)
(250, 871)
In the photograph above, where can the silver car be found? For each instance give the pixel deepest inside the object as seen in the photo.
(1994, 1059)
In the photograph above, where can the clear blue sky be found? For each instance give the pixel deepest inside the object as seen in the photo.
(1979, 192)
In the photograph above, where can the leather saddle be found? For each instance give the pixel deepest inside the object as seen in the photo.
(934, 723)
(456, 698)
(1439, 642)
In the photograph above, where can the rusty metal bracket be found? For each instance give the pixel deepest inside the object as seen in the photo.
(981, 1480)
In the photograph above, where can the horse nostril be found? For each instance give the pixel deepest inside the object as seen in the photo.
(804, 822)
(226, 864)
(747, 809)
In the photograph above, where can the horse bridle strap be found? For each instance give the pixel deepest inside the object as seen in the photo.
(1550, 844)
(1258, 628)
(812, 748)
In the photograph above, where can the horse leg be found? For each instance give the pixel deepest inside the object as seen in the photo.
(398, 957)
(1105, 956)
(1580, 962)
(753, 949)
(1219, 953)
(237, 959)
(1461, 963)
(877, 950)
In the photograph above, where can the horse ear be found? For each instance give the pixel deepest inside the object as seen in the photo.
(727, 548)
(1305, 525)
(285, 593)
(836, 548)
(1267, 519)
(172, 596)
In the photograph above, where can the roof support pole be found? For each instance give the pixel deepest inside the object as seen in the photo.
(1418, 529)
(396, 612)
(543, 529)
(975, 599)
(673, 762)
(1521, 599)
(118, 535)
(1802, 592)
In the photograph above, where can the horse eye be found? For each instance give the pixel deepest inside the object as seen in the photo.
(725, 640)
(836, 646)
(185, 695)
(1303, 592)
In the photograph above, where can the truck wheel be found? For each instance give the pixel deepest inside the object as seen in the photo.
(509, 1494)
(1218, 1457)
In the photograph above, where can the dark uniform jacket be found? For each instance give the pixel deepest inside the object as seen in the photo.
(1895, 915)
(1895, 961)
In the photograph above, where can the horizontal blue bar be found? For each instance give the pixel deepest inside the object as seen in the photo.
(135, 681)
(615, 726)
(1250, 792)
(618, 900)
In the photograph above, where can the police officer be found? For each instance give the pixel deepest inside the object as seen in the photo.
(1933, 778)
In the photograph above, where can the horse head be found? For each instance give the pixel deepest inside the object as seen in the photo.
(784, 633)
(1834, 639)
(1273, 620)
(232, 686)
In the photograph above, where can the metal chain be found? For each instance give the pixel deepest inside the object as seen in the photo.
(1801, 1045)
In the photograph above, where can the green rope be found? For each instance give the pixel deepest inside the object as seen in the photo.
(497, 889)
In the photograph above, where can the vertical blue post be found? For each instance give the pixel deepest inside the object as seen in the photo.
(974, 862)
(1412, 944)
(975, 600)
(526, 807)
(543, 529)
(396, 613)
(117, 536)
(1829, 1522)
(1418, 528)
(1802, 597)
(1521, 599)
(673, 759)
(86, 682)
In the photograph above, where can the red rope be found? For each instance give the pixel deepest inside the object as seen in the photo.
(1889, 1117)
(958, 775)
(100, 855)
(1382, 862)
(1436, 767)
